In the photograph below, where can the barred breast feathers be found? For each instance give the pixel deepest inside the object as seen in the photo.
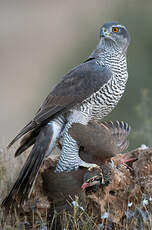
(101, 103)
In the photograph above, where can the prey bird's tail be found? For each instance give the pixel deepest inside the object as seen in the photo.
(27, 176)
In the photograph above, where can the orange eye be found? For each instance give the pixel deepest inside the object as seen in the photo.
(115, 29)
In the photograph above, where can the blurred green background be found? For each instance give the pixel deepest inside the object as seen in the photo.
(41, 40)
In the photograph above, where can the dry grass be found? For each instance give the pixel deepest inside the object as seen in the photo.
(138, 219)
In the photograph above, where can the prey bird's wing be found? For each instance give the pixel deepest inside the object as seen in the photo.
(100, 140)
(79, 84)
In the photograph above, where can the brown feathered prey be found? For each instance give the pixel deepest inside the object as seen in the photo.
(98, 142)
(64, 191)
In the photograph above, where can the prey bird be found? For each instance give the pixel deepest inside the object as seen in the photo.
(98, 142)
(89, 91)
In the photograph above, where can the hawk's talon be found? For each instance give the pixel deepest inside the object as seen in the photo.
(101, 173)
(94, 166)
(90, 166)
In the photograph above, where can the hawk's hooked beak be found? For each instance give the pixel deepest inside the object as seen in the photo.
(104, 33)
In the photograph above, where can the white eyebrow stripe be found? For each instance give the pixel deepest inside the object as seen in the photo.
(119, 26)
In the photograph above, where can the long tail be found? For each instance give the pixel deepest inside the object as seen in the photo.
(21, 190)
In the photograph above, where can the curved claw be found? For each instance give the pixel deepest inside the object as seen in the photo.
(94, 166)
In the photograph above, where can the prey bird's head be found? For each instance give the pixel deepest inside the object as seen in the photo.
(116, 35)
(92, 179)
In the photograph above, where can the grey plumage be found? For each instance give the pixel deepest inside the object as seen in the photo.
(89, 91)
(99, 104)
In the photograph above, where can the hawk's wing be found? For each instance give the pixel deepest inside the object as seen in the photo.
(80, 83)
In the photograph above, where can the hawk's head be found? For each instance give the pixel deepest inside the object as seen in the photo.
(113, 33)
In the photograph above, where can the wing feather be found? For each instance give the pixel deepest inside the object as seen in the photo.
(80, 83)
